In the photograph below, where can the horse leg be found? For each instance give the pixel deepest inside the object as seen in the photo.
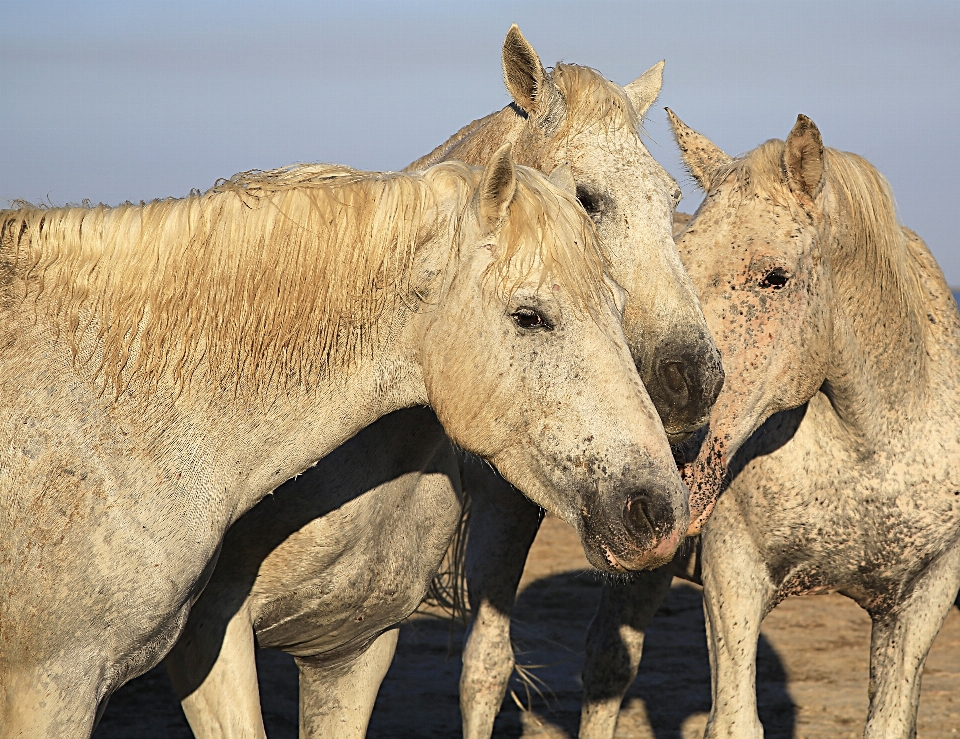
(216, 679)
(33, 703)
(614, 646)
(899, 644)
(737, 594)
(337, 697)
(503, 525)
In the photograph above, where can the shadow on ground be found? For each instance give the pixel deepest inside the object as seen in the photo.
(551, 619)
(419, 697)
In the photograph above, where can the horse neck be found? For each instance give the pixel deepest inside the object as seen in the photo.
(263, 428)
(271, 441)
(879, 371)
(476, 142)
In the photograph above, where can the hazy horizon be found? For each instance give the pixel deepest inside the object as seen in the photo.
(111, 101)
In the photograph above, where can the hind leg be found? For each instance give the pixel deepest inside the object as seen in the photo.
(336, 698)
(899, 645)
(614, 646)
(737, 594)
(216, 676)
(503, 525)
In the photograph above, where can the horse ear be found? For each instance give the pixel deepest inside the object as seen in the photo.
(498, 185)
(702, 158)
(645, 88)
(803, 158)
(527, 81)
(562, 177)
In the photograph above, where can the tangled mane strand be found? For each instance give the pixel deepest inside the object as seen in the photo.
(592, 99)
(268, 276)
(547, 228)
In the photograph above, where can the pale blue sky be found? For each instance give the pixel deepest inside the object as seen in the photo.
(135, 100)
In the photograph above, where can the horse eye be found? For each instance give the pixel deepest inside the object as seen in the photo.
(775, 278)
(530, 320)
(589, 200)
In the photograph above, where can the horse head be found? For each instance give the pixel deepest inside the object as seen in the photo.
(526, 365)
(573, 117)
(756, 251)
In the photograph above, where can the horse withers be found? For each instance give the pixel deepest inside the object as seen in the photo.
(165, 366)
(834, 439)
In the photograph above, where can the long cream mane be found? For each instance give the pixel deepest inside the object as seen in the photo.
(268, 277)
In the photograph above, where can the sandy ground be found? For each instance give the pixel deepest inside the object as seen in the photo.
(812, 672)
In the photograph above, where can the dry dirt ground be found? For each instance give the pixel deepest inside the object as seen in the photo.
(812, 672)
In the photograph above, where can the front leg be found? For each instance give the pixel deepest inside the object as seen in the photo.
(737, 594)
(614, 646)
(899, 644)
(336, 698)
(214, 671)
(503, 525)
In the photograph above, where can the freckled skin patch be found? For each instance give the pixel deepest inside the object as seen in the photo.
(834, 441)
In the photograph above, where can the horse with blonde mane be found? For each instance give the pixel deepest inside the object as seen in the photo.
(834, 440)
(328, 583)
(165, 366)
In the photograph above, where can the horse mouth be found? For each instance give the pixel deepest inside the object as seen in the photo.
(649, 559)
(613, 560)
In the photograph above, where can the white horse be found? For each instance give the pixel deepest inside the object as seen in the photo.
(326, 580)
(835, 436)
(165, 366)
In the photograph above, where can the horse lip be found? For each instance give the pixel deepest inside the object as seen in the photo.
(613, 560)
(678, 437)
(654, 557)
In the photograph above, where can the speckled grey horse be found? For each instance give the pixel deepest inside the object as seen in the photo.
(328, 566)
(839, 419)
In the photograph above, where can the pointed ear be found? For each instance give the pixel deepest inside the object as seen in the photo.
(562, 177)
(803, 158)
(645, 88)
(497, 187)
(527, 81)
(702, 158)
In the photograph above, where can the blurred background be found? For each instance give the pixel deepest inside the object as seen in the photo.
(112, 101)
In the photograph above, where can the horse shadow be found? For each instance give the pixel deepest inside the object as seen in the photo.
(419, 696)
(549, 625)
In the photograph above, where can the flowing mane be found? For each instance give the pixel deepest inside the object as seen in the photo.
(868, 246)
(268, 276)
(590, 99)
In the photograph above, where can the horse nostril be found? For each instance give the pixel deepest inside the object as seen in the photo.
(673, 380)
(637, 519)
(684, 381)
(647, 518)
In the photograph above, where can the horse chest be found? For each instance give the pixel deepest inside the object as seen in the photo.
(824, 521)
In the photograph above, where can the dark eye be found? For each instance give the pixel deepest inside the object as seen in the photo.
(775, 278)
(530, 320)
(590, 200)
